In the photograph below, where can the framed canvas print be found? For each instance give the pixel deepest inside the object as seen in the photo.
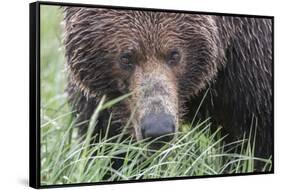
(121, 94)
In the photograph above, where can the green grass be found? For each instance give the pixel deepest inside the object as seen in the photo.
(65, 159)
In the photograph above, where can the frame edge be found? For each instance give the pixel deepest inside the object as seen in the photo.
(34, 151)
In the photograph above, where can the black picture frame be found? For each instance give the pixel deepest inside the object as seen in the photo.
(34, 93)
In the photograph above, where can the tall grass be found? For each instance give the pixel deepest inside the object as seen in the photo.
(195, 152)
(66, 159)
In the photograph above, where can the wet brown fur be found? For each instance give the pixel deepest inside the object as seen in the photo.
(230, 56)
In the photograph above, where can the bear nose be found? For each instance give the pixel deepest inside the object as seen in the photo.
(157, 125)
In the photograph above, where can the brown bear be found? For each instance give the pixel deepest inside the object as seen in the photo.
(169, 61)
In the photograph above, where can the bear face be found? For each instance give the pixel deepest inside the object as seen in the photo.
(163, 59)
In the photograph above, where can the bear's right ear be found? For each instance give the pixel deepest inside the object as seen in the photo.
(75, 15)
(70, 12)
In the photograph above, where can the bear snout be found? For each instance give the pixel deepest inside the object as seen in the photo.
(159, 127)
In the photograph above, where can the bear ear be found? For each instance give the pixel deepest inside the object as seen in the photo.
(74, 15)
(70, 11)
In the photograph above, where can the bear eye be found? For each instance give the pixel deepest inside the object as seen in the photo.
(126, 60)
(174, 57)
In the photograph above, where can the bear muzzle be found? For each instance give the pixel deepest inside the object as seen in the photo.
(158, 127)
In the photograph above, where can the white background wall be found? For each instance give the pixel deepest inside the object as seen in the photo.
(14, 40)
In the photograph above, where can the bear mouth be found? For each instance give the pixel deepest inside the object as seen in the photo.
(158, 145)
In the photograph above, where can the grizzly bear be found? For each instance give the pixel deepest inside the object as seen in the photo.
(169, 62)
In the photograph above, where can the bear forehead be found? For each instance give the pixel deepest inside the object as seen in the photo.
(132, 28)
(133, 20)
